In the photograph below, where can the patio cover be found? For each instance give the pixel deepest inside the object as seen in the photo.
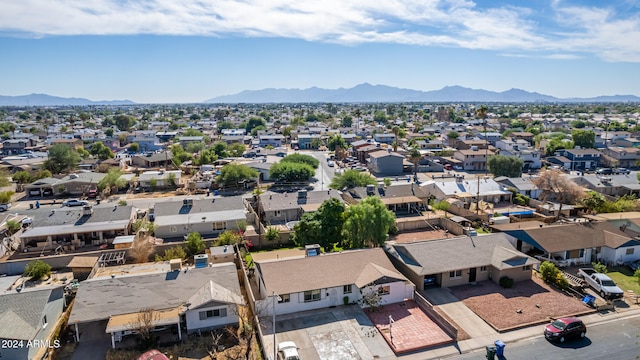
(129, 321)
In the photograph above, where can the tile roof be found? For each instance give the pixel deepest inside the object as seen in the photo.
(359, 267)
(102, 298)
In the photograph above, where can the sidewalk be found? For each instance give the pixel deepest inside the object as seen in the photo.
(483, 335)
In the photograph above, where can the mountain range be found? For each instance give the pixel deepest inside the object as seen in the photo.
(48, 100)
(367, 93)
(363, 93)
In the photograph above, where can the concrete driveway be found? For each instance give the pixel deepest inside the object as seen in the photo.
(344, 332)
(94, 341)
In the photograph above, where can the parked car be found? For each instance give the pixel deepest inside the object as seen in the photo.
(74, 202)
(92, 194)
(287, 350)
(330, 163)
(604, 171)
(601, 283)
(4, 207)
(621, 171)
(634, 265)
(555, 259)
(564, 328)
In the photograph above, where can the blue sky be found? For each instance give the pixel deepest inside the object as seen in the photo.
(193, 50)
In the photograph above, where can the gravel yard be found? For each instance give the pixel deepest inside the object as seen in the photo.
(527, 302)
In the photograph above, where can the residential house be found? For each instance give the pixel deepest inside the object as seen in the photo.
(165, 136)
(77, 227)
(474, 159)
(612, 185)
(385, 162)
(153, 160)
(280, 208)
(612, 241)
(402, 199)
(147, 143)
(345, 277)
(522, 150)
(186, 140)
(491, 137)
(202, 299)
(523, 185)
(17, 146)
(467, 190)
(233, 136)
(72, 143)
(578, 159)
(76, 184)
(305, 141)
(615, 156)
(362, 153)
(29, 317)
(429, 145)
(208, 217)
(522, 135)
(270, 140)
(460, 260)
(468, 144)
(160, 179)
(384, 138)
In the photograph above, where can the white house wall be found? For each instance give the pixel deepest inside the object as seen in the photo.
(194, 323)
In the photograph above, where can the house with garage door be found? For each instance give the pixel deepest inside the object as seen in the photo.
(460, 260)
(322, 281)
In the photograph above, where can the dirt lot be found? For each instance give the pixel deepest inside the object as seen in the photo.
(408, 237)
(527, 302)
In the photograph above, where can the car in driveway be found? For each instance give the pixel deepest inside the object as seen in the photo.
(4, 207)
(562, 329)
(555, 259)
(74, 202)
(330, 163)
(621, 171)
(287, 350)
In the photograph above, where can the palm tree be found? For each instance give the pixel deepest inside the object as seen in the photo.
(357, 113)
(415, 156)
(396, 131)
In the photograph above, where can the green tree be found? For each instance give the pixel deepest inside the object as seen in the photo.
(112, 181)
(61, 158)
(37, 269)
(586, 139)
(290, 172)
(5, 196)
(100, 151)
(194, 244)
(367, 223)
(272, 233)
(253, 123)
(509, 166)
(124, 122)
(134, 147)
(380, 117)
(415, 156)
(12, 226)
(331, 217)
(336, 140)
(22, 177)
(176, 252)
(229, 237)
(232, 174)
(308, 230)
(594, 201)
(236, 150)
(350, 179)
(108, 132)
(41, 174)
(302, 159)
(346, 121)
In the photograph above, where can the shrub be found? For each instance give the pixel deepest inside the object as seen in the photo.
(37, 269)
(599, 267)
(549, 271)
(176, 252)
(194, 244)
(506, 282)
(637, 275)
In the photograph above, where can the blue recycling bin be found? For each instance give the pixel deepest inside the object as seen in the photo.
(499, 348)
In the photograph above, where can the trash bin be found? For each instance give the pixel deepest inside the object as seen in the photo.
(491, 352)
(97, 201)
(499, 348)
(30, 206)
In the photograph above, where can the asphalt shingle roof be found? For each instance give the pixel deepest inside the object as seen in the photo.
(21, 316)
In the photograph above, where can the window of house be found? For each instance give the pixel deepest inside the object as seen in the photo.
(526, 268)
(219, 225)
(174, 229)
(483, 268)
(276, 213)
(285, 298)
(384, 290)
(455, 274)
(312, 295)
(630, 251)
(212, 313)
(44, 321)
(347, 289)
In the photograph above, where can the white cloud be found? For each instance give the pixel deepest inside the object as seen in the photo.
(451, 23)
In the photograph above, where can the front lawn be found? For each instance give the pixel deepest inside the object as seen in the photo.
(624, 278)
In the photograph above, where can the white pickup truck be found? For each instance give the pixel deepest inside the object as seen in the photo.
(601, 283)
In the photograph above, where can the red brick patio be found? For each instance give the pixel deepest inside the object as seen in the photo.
(412, 329)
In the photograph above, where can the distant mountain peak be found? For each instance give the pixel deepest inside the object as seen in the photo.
(49, 100)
